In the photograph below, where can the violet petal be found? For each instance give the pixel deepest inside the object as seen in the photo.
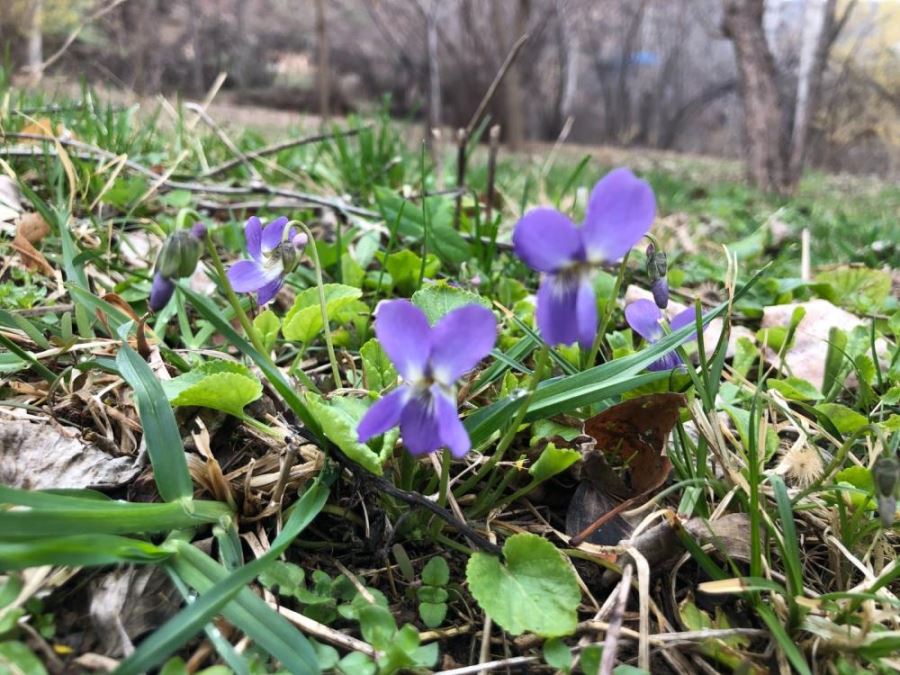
(620, 211)
(453, 433)
(253, 235)
(685, 318)
(268, 292)
(460, 340)
(546, 240)
(271, 236)
(556, 310)
(246, 276)
(405, 336)
(419, 425)
(667, 362)
(643, 316)
(586, 314)
(384, 414)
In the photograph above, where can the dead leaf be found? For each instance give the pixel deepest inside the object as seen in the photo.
(32, 227)
(129, 602)
(43, 126)
(631, 437)
(32, 258)
(10, 204)
(36, 456)
(635, 432)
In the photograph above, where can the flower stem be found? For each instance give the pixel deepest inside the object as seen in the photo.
(509, 435)
(320, 284)
(445, 478)
(247, 325)
(607, 314)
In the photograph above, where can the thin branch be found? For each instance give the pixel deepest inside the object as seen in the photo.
(75, 33)
(498, 78)
(278, 147)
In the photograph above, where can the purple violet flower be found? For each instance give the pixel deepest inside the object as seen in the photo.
(645, 319)
(273, 254)
(620, 211)
(430, 359)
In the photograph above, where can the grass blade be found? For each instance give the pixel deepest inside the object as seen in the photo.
(79, 551)
(170, 470)
(187, 623)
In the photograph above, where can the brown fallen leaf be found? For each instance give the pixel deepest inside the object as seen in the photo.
(32, 226)
(630, 436)
(32, 258)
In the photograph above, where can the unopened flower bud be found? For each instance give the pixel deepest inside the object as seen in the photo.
(657, 267)
(660, 290)
(886, 474)
(160, 292)
(300, 240)
(179, 255)
(198, 231)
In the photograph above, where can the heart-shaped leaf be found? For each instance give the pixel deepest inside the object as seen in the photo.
(339, 418)
(535, 590)
(304, 320)
(222, 385)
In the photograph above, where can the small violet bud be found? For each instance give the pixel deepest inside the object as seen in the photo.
(300, 240)
(660, 290)
(886, 473)
(160, 292)
(657, 267)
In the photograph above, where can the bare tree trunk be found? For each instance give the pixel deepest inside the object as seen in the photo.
(36, 41)
(197, 47)
(817, 27)
(511, 88)
(323, 72)
(434, 71)
(763, 114)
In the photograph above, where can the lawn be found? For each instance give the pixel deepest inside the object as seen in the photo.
(201, 468)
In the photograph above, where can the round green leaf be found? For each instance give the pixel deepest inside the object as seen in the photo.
(536, 590)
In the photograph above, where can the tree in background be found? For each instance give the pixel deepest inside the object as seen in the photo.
(776, 134)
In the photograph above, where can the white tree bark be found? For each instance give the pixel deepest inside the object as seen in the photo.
(36, 40)
(817, 19)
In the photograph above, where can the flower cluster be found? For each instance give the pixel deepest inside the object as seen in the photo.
(430, 359)
(620, 211)
(177, 259)
(273, 254)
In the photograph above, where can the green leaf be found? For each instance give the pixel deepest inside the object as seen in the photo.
(859, 288)
(590, 659)
(357, 663)
(405, 268)
(860, 478)
(433, 613)
(338, 419)
(844, 419)
(286, 577)
(17, 659)
(558, 655)
(268, 325)
(303, 321)
(436, 572)
(795, 389)
(79, 551)
(377, 626)
(351, 272)
(439, 299)
(161, 435)
(535, 590)
(553, 461)
(378, 370)
(221, 385)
